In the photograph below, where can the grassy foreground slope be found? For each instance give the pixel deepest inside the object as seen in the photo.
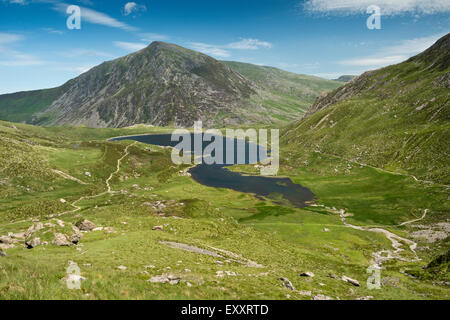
(395, 118)
(251, 242)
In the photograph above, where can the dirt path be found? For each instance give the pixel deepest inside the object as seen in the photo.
(107, 182)
(385, 171)
(75, 203)
(415, 220)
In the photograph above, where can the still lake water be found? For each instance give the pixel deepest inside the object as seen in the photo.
(218, 176)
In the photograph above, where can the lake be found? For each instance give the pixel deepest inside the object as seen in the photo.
(280, 190)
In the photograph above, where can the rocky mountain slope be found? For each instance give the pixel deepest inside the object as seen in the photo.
(396, 118)
(163, 84)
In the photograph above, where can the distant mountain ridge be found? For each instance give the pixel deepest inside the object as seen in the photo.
(345, 78)
(163, 84)
(396, 118)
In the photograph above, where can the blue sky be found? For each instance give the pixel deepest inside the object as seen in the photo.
(326, 38)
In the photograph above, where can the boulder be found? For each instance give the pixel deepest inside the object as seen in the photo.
(86, 225)
(287, 284)
(33, 243)
(158, 228)
(6, 240)
(307, 274)
(76, 236)
(34, 228)
(351, 281)
(61, 240)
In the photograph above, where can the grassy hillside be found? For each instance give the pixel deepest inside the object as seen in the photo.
(289, 91)
(22, 106)
(263, 241)
(395, 118)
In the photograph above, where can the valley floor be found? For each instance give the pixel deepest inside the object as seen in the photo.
(160, 235)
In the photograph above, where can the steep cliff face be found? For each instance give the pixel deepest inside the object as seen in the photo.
(162, 84)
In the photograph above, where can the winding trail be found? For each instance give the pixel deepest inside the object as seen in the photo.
(397, 241)
(107, 182)
(75, 203)
(383, 170)
(416, 220)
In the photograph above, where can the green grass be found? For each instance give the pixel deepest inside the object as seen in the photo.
(285, 240)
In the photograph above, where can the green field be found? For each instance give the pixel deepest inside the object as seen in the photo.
(263, 241)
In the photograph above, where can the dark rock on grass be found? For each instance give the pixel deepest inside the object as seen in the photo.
(86, 225)
(307, 274)
(2, 253)
(76, 236)
(351, 281)
(287, 284)
(33, 243)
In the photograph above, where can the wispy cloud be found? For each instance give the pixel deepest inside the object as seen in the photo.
(210, 49)
(388, 7)
(22, 2)
(222, 51)
(95, 17)
(394, 54)
(10, 57)
(249, 44)
(130, 46)
(53, 31)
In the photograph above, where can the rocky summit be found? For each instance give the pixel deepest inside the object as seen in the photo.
(165, 84)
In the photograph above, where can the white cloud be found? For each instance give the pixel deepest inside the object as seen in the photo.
(13, 58)
(249, 44)
(6, 38)
(53, 31)
(222, 51)
(130, 46)
(131, 7)
(95, 17)
(210, 49)
(394, 54)
(374, 62)
(21, 2)
(388, 7)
